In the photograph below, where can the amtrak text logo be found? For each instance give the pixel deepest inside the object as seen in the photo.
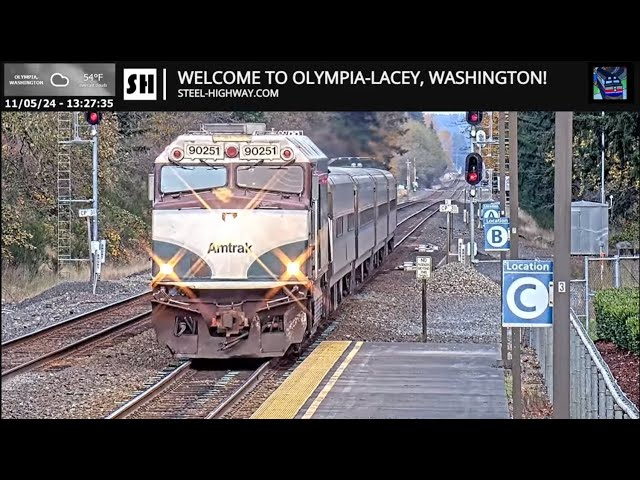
(229, 248)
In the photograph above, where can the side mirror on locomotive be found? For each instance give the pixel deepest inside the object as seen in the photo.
(473, 168)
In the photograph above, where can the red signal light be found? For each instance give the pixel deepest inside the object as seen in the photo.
(93, 118)
(474, 118)
(473, 168)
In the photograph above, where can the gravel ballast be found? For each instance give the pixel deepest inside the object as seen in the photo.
(67, 300)
(92, 388)
(463, 304)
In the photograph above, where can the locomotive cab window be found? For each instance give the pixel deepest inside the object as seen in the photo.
(289, 179)
(184, 179)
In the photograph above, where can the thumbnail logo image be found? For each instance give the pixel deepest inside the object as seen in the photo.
(610, 83)
(140, 84)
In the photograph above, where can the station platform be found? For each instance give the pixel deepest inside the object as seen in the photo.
(366, 380)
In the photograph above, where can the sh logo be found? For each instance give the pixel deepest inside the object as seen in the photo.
(140, 84)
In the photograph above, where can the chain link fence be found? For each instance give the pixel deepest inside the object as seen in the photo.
(579, 298)
(600, 274)
(594, 392)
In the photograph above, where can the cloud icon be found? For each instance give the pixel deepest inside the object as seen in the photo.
(59, 80)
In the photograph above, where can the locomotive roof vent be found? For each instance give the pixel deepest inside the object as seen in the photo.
(240, 128)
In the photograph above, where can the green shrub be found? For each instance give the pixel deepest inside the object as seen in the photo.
(628, 232)
(633, 329)
(618, 317)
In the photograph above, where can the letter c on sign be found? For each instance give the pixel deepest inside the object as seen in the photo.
(518, 298)
(527, 298)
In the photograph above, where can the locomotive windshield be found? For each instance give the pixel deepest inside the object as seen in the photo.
(289, 179)
(174, 179)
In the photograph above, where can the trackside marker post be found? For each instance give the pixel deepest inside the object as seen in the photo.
(423, 271)
(422, 267)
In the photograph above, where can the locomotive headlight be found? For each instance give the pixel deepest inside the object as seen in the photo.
(166, 269)
(293, 268)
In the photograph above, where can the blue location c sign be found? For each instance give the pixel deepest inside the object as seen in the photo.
(527, 297)
(526, 288)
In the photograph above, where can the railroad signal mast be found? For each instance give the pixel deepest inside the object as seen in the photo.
(97, 248)
(473, 176)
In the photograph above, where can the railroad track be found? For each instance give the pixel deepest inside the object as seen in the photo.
(431, 212)
(440, 195)
(185, 390)
(35, 349)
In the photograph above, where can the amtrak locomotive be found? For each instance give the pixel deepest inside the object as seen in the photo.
(256, 238)
(609, 84)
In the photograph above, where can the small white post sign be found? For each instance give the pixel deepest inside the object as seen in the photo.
(423, 267)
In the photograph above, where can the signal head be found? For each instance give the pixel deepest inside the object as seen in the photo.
(474, 118)
(473, 168)
(93, 118)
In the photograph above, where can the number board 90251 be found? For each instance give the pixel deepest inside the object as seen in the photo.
(194, 150)
(258, 151)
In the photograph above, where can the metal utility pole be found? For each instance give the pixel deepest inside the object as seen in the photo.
(503, 208)
(602, 198)
(513, 255)
(472, 240)
(466, 196)
(561, 263)
(95, 253)
(472, 219)
(448, 236)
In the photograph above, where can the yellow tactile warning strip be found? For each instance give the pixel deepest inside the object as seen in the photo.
(332, 381)
(289, 398)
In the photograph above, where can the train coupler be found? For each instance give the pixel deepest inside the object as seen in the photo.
(229, 322)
